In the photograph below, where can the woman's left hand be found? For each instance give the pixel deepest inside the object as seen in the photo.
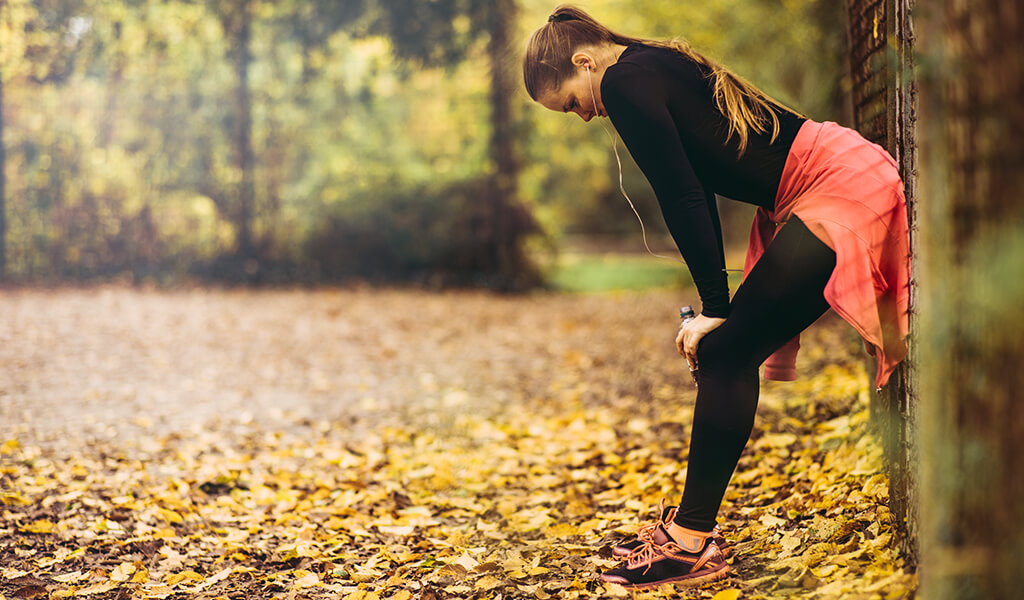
(691, 333)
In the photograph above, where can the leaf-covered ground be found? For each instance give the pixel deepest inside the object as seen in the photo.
(371, 445)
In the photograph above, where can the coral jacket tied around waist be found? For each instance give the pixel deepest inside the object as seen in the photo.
(849, 194)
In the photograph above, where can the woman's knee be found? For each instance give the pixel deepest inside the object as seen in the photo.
(721, 351)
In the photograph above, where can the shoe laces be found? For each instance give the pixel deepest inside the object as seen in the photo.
(646, 553)
(649, 551)
(645, 532)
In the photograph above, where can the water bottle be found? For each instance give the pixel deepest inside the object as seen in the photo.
(686, 314)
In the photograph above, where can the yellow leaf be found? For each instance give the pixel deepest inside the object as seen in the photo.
(560, 530)
(9, 446)
(776, 440)
(530, 519)
(488, 582)
(105, 525)
(219, 576)
(616, 590)
(164, 533)
(402, 595)
(770, 520)
(97, 588)
(122, 572)
(790, 542)
(12, 573)
(309, 579)
(877, 485)
(141, 576)
(537, 571)
(70, 577)
(157, 591)
(40, 526)
(12, 499)
(170, 516)
(513, 563)
(176, 578)
(467, 562)
(366, 575)
(400, 530)
(732, 594)
(307, 550)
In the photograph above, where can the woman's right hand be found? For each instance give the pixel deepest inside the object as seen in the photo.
(691, 333)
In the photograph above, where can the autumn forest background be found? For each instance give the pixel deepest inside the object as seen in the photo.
(324, 141)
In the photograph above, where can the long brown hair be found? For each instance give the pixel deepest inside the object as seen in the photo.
(547, 64)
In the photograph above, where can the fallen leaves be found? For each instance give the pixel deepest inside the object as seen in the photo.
(496, 459)
(38, 526)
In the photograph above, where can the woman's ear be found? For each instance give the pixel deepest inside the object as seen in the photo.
(583, 60)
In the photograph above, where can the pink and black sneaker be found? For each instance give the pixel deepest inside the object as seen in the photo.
(661, 560)
(626, 546)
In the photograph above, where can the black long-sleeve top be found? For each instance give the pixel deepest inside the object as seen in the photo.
(662, 104)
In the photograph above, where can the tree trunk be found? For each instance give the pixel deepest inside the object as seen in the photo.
(501, 15)
(243, 139)
(3, 196)
(236, 18)
(972, 281)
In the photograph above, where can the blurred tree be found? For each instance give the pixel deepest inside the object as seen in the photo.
(427, 33)
(40, 44)
(236, 20)
(3, 194)
(509, 219)
(972, 334)
(430, 34)
(310, 23)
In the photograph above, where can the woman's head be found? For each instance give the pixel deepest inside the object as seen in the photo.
(561, 60)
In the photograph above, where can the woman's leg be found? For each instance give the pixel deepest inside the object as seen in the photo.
(780, 297)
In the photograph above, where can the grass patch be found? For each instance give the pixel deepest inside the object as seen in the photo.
(578, 272)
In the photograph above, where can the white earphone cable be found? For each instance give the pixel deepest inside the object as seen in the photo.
(622, 188)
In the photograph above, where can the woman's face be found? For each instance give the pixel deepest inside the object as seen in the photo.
(581, 94)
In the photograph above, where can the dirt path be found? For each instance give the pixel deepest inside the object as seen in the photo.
(105, 364)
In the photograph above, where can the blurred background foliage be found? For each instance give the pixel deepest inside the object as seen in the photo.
(320, 141)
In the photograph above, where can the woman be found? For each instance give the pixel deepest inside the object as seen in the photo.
(830, 231)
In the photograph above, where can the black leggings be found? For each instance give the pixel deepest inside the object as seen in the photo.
(781, 296)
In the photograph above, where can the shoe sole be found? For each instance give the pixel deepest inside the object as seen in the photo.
(720, 573)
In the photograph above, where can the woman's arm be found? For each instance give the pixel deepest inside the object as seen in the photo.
(636, 102)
